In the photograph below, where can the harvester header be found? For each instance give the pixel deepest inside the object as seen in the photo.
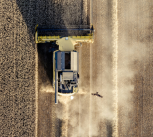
(43, 35)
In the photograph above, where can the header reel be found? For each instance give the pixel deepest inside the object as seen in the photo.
(44, 35)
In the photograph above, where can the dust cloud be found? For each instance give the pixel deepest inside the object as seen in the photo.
(85, 111)
(46, 87)
(132, 51)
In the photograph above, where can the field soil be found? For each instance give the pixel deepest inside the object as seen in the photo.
(118, 65)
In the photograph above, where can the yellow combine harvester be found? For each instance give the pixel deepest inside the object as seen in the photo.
(66, 58)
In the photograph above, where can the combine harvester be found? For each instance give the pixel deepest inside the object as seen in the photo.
(66, 58)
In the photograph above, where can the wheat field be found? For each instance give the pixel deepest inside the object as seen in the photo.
(118, 65)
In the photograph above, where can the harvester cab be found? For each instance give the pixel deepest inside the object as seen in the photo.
(66, 58)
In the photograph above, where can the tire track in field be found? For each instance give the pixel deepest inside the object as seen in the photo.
(115, 65)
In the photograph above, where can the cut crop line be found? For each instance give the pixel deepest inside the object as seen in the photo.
(36, 91)
(115, 66)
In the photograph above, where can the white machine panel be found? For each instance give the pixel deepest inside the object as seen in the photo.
(74, 61)
(67, 75)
